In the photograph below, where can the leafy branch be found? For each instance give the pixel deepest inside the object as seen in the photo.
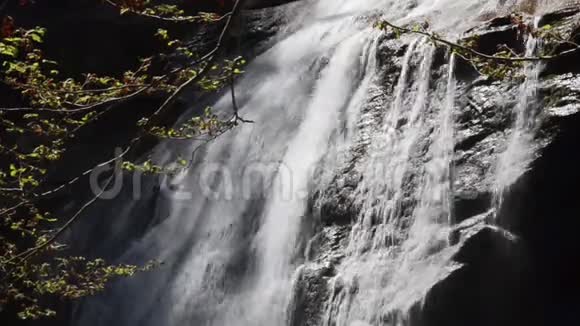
(163, 12)
(468, 51)
(58, 109)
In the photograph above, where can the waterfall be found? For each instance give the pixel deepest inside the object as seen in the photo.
(234, 226)
(232, 244)
(514, 161)
(393, 258)
(276, 241)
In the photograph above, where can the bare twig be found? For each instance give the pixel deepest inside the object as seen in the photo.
(470, 62)
(507, 48)
(83, 108)
(234, 103)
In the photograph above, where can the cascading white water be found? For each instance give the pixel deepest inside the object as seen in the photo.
(231, 249)
(392, 264)
(514, 161)
(276, 241)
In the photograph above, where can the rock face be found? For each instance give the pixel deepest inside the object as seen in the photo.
(520, 272)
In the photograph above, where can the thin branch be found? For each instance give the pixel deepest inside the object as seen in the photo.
(453, 45)
(11, 189)
(72, 181)
(101, 90)
(471, 63)
(175, 19)
(87, 172)
(206, 141)
(29, 253)
(209, 56)
(25, 255)
(559, 38)
(83, 108)
(234, 103)
(507, 48)
(15, 207)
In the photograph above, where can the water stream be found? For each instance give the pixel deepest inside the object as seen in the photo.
(518, 154)
(234, 238)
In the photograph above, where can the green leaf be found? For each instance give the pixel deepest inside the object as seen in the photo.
(182, 162)
(36, 38)
(12, 67)
(13, 171)
(163, 34)
(8, 50)
(30, 116)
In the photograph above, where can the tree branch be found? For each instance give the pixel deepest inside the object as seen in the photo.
(209, 57)
(25, 255)
(175, 19)
(236, 117)
(453, 45)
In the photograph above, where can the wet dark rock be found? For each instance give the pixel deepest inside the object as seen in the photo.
(520, 271)
(259, 26)
(338, 209)
(489, 42)
(335, 203)
(561, 97)
(558, 17)
(481, 238)
(524, 276)
(468, 204)
(565, 24)
(496, 32)
(494, 286)
(327, 246)
(325, 251)
(309, 296)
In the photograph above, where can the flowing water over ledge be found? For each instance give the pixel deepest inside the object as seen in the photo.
(517, 156)
(233, 251)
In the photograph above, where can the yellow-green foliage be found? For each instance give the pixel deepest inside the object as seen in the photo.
(34, 264)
